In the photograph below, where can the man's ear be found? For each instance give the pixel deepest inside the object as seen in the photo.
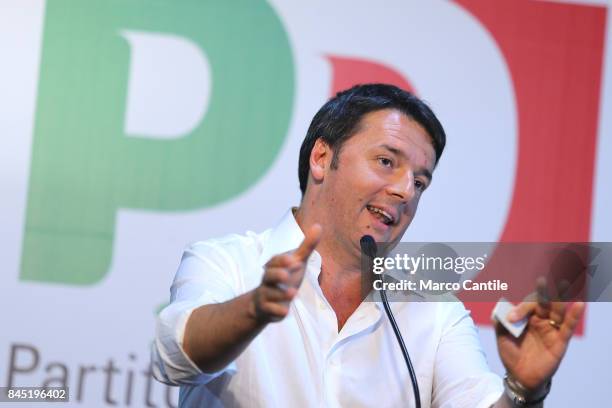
(320, 160)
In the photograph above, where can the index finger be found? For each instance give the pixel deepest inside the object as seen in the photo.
(313, 235)
(544, 305)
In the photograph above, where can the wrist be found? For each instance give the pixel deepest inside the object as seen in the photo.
(253, 311)
(522, 396)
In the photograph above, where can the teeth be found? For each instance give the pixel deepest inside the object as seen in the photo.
(388, 219)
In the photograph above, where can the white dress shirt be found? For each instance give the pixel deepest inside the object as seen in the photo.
(303, 361)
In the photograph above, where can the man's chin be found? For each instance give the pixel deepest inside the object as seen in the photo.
(378, 236)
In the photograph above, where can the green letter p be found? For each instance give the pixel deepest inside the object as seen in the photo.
(163, 105)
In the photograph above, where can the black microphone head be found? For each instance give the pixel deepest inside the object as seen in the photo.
(368, 246)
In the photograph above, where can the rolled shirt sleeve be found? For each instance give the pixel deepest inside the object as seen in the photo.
(205, 275)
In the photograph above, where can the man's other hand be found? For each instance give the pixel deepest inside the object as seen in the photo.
(533, 358)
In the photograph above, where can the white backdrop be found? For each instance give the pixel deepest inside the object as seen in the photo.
(78, 331)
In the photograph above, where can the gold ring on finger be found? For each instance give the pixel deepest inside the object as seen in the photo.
(554, 324)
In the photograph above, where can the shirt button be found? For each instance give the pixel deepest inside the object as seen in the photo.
(321, 305)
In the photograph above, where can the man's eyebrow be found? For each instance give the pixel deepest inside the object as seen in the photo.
(398, 152)
(393, 150)
(425, 173)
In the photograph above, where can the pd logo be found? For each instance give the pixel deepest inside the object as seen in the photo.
(165, 106)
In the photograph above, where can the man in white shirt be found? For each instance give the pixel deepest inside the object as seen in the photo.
(265, 320)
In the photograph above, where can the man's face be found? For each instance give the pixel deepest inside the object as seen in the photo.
(382, 171)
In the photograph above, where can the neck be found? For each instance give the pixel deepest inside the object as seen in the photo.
(341, 261)
(340, 277)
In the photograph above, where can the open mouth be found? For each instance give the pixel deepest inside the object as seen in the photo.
(384, 216)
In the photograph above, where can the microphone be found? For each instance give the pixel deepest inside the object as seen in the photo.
(370, 249)
(368, 246)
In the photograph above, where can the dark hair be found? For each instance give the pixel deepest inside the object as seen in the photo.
(339, 118)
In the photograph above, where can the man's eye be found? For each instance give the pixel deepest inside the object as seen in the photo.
(419, 185)
(385, 161)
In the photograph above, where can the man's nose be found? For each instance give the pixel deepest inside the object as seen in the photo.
(402, 186)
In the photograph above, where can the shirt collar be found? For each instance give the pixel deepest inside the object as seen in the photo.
(285, 236)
